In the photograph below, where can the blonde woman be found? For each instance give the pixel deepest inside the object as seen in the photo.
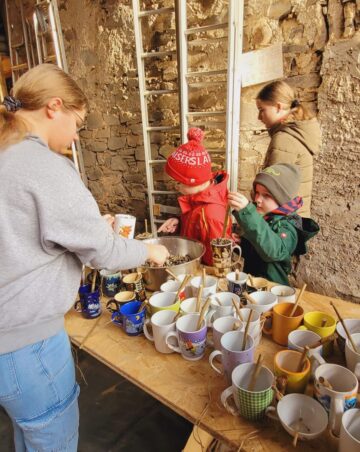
(49, 226)
(294, 131)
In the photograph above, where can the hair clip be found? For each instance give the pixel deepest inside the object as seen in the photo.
(12, 104)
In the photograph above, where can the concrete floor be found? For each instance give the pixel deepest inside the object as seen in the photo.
(116, 416)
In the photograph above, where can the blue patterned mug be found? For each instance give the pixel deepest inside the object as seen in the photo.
(110, 282)
(89, 303)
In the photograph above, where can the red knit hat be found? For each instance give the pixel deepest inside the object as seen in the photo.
(190, 164)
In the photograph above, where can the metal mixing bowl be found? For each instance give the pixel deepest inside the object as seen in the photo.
(155, 276)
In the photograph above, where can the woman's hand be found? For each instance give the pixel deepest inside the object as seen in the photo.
(237, 200)
(109, 219)
(157, 254)
(169, 226)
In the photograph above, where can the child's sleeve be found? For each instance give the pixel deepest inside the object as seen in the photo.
(272, 246)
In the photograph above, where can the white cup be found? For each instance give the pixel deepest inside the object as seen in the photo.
(341, 397)
(173, 287)
(221, 326)
(125, 225)
(298, 339)
(285, 294)
(352, 357)
(256, 324)
(264, 301)
(225, 307)
(350, 431)
(188, 306)
(210, 285)
(164, 300)
(352, 325)
(162, 322)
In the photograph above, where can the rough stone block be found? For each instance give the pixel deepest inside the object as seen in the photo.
(118, 164)
(94, 120)
(115, 143)
(112, 120)
(279, 9)
(89, 158)
(98, 146)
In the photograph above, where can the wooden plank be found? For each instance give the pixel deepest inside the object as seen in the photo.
(192, 389)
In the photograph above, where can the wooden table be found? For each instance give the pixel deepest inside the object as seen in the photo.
(192, 389)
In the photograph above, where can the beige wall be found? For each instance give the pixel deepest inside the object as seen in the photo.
(321, 60)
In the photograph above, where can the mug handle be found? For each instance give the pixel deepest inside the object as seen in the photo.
(110, 308)
(357, 371)
(336, 412)
(271, 413)
(267, 315)
(176, 348)
(225, 395)
(147, 333)
(316, 358)
(236, 247)
(209, 317)
(211, 358)
(76, 306)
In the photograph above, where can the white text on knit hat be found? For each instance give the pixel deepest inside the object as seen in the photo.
(197, 159)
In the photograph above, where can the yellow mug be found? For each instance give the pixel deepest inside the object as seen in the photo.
(313, 321)
(286, 364)
(164, 301)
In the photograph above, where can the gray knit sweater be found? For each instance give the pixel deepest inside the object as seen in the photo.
(49, 226)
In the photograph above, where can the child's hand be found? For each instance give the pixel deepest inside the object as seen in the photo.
(109, 219)
(169, 226)
(237, 200)
(157, 254)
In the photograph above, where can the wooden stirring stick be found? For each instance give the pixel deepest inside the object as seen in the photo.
(252, 284)
(93, 283)
(296, 304)
(302, 359)
(255, 373)
(296, 437)
(143, 306)
(202, 313)
(345, 328)
(324, 340)
(182, 285)
(226, 221)
(249, 298)
(238, 312)
(204, 276)
(237, 275)
(324, 382)
(146, 226)
(198, 298)
(323, 322)
(246, 330)
(172, 274)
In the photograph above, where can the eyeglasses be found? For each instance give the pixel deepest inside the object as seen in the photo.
(79, 120)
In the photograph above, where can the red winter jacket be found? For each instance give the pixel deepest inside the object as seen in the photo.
(203, 214)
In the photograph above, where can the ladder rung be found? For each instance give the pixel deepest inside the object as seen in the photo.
(204, 42)
(158, 54)
(206, 84)
(163, 192)
(19, 67)
(206, 113)
(156, 162)
(154, 12)
(160, 128)
(206, 73)
(191, 31)
(156, 92)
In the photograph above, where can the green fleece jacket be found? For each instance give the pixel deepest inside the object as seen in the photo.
(268, 245)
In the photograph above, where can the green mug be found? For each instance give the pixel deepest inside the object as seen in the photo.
(251, 403)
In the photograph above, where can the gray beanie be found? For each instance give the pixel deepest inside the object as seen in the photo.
(282, 181)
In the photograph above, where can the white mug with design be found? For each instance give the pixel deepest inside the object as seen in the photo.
(125, 225)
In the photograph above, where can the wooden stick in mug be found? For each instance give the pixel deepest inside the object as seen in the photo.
(345, 328)
(324, 340)
(297, 302)
(302, 359)
(238, 312)
(324, 382)
(182, 285)
(237, 275)
(252, 284)
(203, 276)
(255, 373)
(172, 274)
(226, 221)
(146, 226)
(296, 437)
(246, 330)
(249, 298)
(323, 323)
(93, 283)
(202, 313)
(198, 298)
(143, 306)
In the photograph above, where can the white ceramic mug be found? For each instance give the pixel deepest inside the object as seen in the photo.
(264, 301)
(124, 225)
(210, 285)
(285, 294)
(298, 339)
(162, 322)
(341, 397)
(225, 307)
(353, 326)
(221, 326)
(188, 306)
(350, 431)
(353, 357)
(173, 287)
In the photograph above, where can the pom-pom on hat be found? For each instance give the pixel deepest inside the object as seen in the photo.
(190, 164)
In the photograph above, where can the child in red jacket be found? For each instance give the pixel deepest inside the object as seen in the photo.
(203, 202)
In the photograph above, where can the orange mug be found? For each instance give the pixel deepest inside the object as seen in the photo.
(282, 323)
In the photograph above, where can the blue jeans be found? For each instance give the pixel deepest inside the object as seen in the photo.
(39, 392)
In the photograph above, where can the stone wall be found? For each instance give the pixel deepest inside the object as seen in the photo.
(321, 61)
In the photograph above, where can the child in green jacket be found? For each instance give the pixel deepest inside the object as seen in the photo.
(272, 231)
